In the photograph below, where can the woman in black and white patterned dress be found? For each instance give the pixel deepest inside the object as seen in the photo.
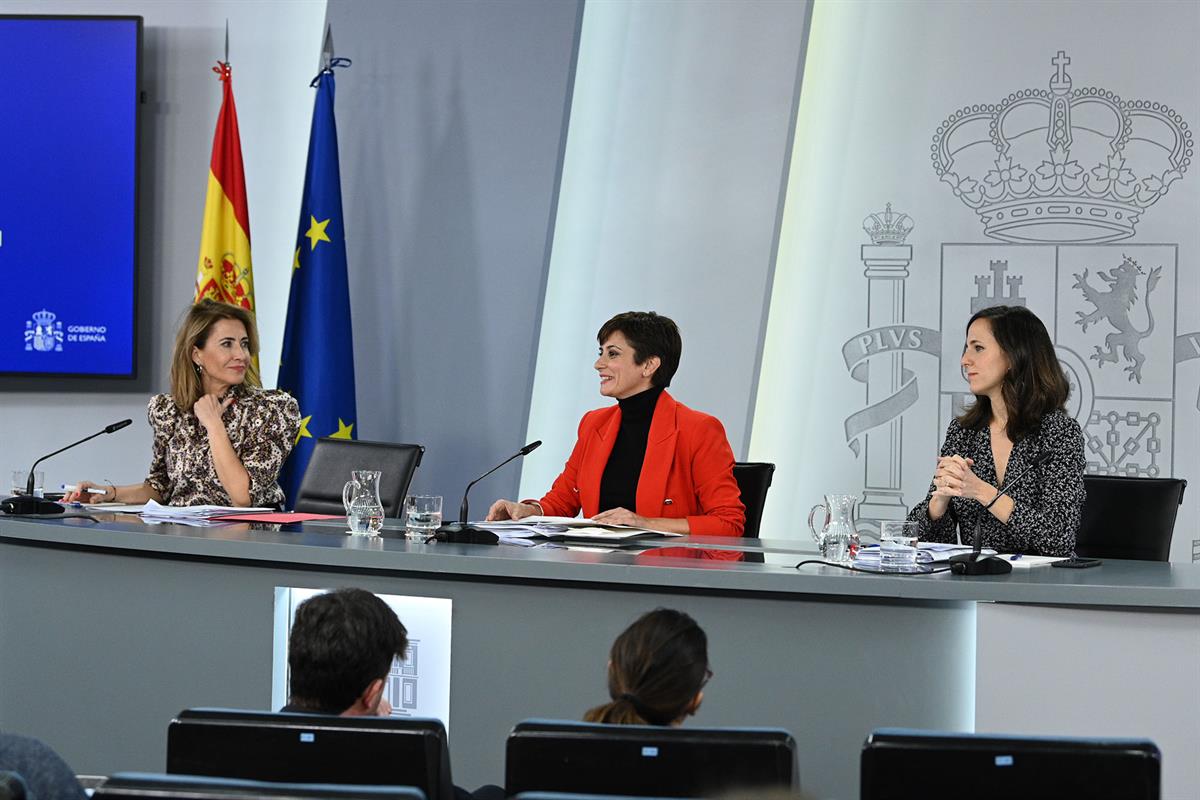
(1018, 415)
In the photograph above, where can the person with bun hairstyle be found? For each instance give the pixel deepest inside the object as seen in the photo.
(1018, 419)
(657, 671)
(219, 437)
(647, 461)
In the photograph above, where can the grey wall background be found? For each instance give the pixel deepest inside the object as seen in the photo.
(274, 51)
(451, 124)
(676, 164)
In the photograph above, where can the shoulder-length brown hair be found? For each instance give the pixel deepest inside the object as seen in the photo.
(657, 667)
(186, 388)
(1035, 383)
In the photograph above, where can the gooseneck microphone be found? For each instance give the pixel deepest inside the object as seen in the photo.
(27, 503)
(462, 531)
(973, 563)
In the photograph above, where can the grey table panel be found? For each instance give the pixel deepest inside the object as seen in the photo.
(119, 625)
(113, 642)
(327, 546)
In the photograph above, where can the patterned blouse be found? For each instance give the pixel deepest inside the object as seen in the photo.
(262, 427)
(1046, 504)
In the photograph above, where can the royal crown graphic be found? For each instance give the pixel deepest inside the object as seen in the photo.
(888, 227)
(44, 319)
(1063, 165)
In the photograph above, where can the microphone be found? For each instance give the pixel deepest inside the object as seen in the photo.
(971, 563)
(27, 503)
(462, 531)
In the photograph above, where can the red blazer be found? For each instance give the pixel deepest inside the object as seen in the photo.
(687, 472)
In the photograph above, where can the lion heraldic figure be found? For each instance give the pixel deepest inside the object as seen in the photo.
(1115, 305)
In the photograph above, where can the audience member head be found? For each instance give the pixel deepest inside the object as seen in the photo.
(651, 336)
(340, 652)
(187, 386)
(29, 768)
(1025, 375)
(657, 670)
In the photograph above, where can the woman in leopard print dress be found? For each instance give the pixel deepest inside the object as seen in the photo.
(219, 438)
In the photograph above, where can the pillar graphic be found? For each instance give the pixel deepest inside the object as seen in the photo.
(886, 260)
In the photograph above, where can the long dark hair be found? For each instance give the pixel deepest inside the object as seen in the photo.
(1035, 383)
(656, 668)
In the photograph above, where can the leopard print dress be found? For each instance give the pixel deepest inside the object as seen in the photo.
(262, 427)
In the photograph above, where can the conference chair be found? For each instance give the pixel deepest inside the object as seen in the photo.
(753, 479)
(311, 748)
(330, 466)
(150, 786)
(1129, 517)
(899, 764)
(647, 760)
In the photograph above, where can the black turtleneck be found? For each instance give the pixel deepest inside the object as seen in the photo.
(618, 485)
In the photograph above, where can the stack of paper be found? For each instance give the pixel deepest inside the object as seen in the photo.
(191, 515)
(567, 528)
(927, 553)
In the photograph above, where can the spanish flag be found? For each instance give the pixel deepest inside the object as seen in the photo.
(224, 272)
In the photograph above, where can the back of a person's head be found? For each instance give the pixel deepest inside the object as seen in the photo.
(657, 668)
(341, 641)
(29, 768)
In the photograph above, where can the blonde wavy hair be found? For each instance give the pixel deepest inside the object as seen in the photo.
(186, 387)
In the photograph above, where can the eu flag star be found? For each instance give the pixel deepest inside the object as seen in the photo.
(344, 431)
(296, 260)
(316, 231)
(303, 432)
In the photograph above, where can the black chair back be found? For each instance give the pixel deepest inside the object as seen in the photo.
(311, 748)
(647, 760)
(1129, 517)
(330, 466)
(754, 479)
(151, 786)
(952, 766)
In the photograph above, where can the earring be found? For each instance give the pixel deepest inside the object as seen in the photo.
(198, 369)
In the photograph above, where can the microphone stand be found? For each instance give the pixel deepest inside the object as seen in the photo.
(29, 504)
(464, 532)
(975, 563)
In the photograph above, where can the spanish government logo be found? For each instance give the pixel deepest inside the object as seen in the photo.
(44, 332)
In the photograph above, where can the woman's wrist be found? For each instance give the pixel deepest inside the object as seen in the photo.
(937, 507)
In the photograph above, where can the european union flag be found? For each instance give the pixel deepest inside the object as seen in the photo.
(317, 365)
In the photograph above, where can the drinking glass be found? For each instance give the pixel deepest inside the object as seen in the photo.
(422, 515)
(20, 476)
(897, 545)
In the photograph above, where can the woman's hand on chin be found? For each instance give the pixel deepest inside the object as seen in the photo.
(622, 516)
(209, 408)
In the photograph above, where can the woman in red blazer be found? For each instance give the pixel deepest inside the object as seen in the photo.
(648, 461)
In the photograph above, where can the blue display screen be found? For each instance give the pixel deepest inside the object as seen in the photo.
(68, 192)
